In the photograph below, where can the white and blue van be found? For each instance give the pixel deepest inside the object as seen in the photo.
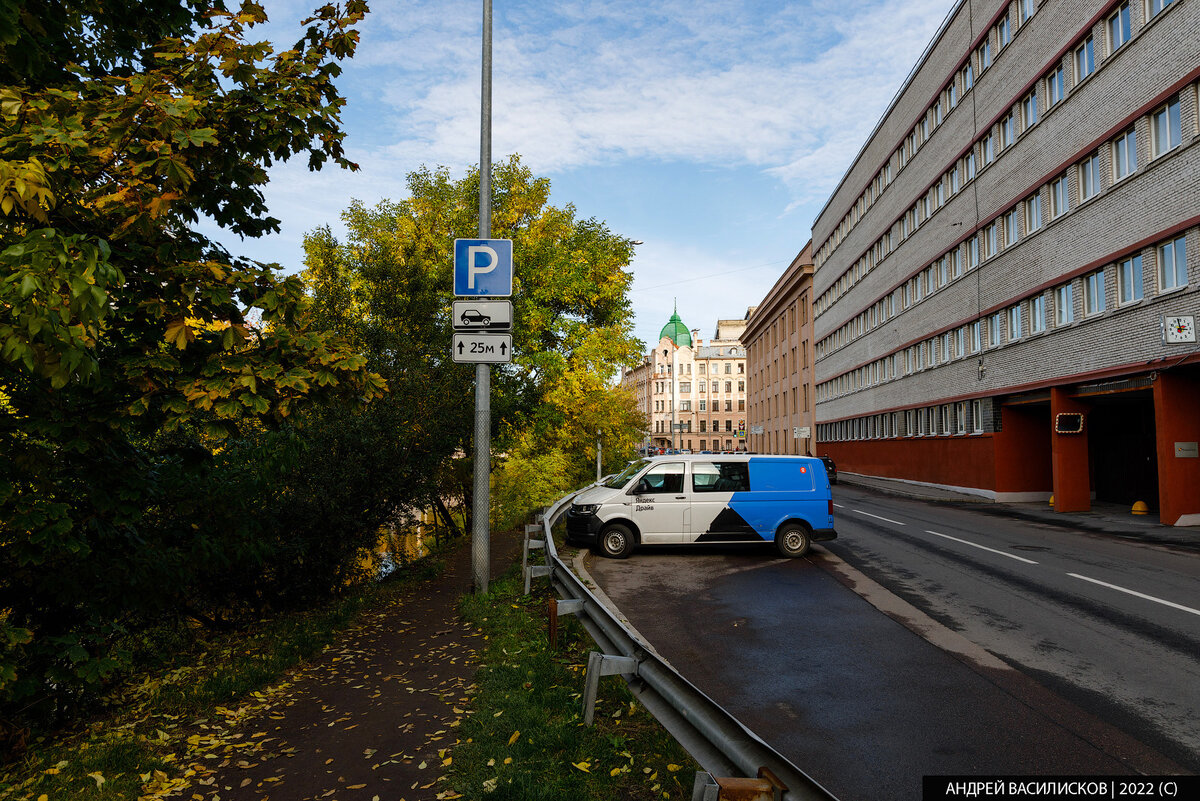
(709, 498)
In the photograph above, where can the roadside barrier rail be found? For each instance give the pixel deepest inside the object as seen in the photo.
(716, 739)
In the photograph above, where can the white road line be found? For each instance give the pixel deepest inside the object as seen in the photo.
(839, 506)
(1137, 594)
(983, 547)
(877, 517)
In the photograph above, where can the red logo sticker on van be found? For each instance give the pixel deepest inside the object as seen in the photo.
(803, 469)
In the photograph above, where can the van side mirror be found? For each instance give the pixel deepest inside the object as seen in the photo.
(641, 487)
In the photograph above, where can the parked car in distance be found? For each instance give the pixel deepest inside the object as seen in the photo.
(830, 468)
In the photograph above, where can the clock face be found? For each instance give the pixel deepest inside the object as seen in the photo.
(1179, 329)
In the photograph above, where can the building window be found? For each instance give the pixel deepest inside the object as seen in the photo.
(984, 53)
(991, 240)
(1008, 131)
(1059, 199)
(703, 408)
(1124, 155)
(1093, 292)
(1129, 280)
(1056, 87)
(994, 324)
(1089, 178)
(1064, 305)
(955, 184)
(1029, 111)
(970, 165)
(1027, 9)
(987, 149)
(1156, 6)
(1010, 228)
(952, 94)
(1085, 61)
(1172, 265)
(1033, 213)
(1164, 128)
(1004, 32)
(1037, 314)
(968, 77)
(976, 336)
(973, 252)
(1014, 322)
(1118, 28)
(976, 417)
(943, 277)
(955, 259)
(960, 418)
(937, 112)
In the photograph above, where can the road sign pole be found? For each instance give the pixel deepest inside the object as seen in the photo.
(481, 535)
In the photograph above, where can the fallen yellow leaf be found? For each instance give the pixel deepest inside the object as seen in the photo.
(98, 777)
(614, 772)
(584, 766)
(514, 736)
(673, 767)
(446, 762)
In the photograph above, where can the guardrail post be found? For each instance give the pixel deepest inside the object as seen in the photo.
(602, 665)
(528, 570)
(767, 787)
(570, 606)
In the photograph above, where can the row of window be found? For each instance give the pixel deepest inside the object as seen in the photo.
(1030, 316)
(685, 405)
(947, 419)
(1000, 137)
(686, 368)
(664, 387)
(1106, 166)
(998, 38)
(663, 426)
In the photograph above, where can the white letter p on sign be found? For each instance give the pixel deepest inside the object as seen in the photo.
(472, 269)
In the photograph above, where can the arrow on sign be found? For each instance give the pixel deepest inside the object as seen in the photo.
(460, 348)
(503, 349)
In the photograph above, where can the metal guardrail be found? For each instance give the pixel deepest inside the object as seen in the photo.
(716, 739)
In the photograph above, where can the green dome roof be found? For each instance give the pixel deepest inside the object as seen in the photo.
(677, 332)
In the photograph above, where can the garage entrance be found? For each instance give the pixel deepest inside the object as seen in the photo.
(1122, 449)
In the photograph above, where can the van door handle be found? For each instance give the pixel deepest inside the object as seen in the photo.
(681, 497)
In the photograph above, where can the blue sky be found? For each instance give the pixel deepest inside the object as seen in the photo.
(711, 130)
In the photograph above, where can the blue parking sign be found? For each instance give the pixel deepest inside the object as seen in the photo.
(483, 267)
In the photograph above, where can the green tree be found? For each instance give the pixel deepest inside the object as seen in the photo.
(131, 346)
(388, 287)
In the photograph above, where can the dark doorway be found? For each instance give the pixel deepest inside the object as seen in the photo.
(1122, 449)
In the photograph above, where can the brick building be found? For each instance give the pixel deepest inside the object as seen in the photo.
(778, 340)
(1006, 274)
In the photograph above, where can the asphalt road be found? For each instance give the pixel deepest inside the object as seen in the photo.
(1110, 624)
(867, 703)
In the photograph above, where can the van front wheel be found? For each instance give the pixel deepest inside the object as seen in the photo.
(616, 541)
(793, 540)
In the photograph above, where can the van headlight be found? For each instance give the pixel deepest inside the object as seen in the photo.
(585, 508)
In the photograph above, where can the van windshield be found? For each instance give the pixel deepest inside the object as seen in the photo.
(621, 479)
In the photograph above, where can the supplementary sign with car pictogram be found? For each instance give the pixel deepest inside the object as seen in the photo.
(482, 315)
(483, 267)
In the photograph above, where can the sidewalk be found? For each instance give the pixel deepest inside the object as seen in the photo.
(1114, 520)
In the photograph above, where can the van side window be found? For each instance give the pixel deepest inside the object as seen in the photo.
(665, 478)
(720, 477)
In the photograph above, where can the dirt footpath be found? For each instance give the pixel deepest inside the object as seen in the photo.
(372, 718)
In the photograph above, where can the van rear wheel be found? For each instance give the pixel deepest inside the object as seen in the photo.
(616, 541)
(793, 540)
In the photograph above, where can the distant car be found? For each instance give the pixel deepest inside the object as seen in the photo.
(830, 468)
(472, 317)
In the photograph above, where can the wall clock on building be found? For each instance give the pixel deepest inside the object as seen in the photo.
(1179, 329)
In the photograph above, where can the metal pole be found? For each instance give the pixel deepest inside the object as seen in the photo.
(481, 536)
(598, 452)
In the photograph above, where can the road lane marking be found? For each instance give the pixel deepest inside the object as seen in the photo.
(839, 506)
(983, 547)
(1137, 594)
(877, 517)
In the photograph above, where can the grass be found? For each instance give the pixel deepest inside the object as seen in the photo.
(525, 739)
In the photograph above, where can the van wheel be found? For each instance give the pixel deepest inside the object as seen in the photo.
(616, 541)
(793, 540)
